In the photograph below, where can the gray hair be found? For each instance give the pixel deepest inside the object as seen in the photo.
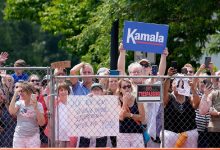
(134, 64)
(86, 65)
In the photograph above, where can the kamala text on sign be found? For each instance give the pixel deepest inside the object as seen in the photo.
(145, 37)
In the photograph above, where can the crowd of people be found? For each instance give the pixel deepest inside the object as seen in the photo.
(190, 121)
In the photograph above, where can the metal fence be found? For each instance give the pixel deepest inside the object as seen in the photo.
(108, 120)
(8, 84)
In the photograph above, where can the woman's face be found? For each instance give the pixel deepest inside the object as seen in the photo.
(62, 92)
(24, 94)
(174, 85)
(125, 87)
(35, 80)
(113, 84)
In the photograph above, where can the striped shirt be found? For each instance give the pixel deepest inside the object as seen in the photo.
(202, 121)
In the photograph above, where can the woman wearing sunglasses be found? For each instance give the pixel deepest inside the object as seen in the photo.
(131, 116)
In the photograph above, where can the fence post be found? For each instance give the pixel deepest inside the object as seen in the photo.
(162, 116)
(52, 110)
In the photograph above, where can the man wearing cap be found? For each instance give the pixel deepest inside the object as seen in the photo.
(96, 89)
(19, 74)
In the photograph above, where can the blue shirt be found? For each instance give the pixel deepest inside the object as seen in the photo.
(24, 77)
(79, 89)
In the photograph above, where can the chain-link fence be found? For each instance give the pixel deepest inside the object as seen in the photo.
(11, 77)
(104, 111)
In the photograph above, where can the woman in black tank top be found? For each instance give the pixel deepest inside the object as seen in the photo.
(130, 118)
(179, 115)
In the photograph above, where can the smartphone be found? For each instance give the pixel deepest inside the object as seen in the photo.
(207, 82)
(207, 61)
(184, 70)
(113, 72)
(174, 64)
(154, 70)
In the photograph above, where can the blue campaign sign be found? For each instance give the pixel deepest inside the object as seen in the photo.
(146, 37)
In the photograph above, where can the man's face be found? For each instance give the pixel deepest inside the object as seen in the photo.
(136, 71)
(87, 70)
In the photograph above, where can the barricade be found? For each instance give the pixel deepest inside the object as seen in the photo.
(8, 122)
(92, 120)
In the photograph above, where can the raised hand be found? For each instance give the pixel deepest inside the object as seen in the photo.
(3, 57)
(171, 71)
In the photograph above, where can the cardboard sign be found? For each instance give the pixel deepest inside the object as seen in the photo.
(149, 93)
(61, 64)
(93, 115)
(146, 37)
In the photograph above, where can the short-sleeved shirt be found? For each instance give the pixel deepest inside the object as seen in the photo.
(27, 125)
(79, 89)
(24, 77)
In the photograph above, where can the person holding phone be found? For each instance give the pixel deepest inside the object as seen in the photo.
(210, 103)
(30, 116)
(179, 115)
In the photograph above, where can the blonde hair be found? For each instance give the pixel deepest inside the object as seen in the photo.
(27, 87)
(118, 91)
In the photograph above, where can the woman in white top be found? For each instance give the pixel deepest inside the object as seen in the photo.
(29, 116)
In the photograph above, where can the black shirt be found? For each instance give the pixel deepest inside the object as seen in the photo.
(179, 117)
(128, 125)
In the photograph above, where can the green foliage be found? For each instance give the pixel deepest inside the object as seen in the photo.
(86, 25)
(24, 40)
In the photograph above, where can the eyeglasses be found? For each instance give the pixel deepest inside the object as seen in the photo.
(126, 86)
(190, 71)
(145, 65)
(34, 80)
(135, 72)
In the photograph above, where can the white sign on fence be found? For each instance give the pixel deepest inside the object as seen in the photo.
(93, 116)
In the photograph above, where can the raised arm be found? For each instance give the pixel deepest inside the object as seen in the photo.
(74, 71)
(206, 101)
(13, 109)
(166, 86)
(3, 57)
(195, 100)
(121, 59)
(163, 62)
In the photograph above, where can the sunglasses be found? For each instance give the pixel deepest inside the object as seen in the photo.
(34, 80)
(126, 86)
(190, 71)
(145, 65)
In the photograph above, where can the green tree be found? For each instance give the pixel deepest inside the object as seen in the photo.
(85, 25)
(23, 39)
